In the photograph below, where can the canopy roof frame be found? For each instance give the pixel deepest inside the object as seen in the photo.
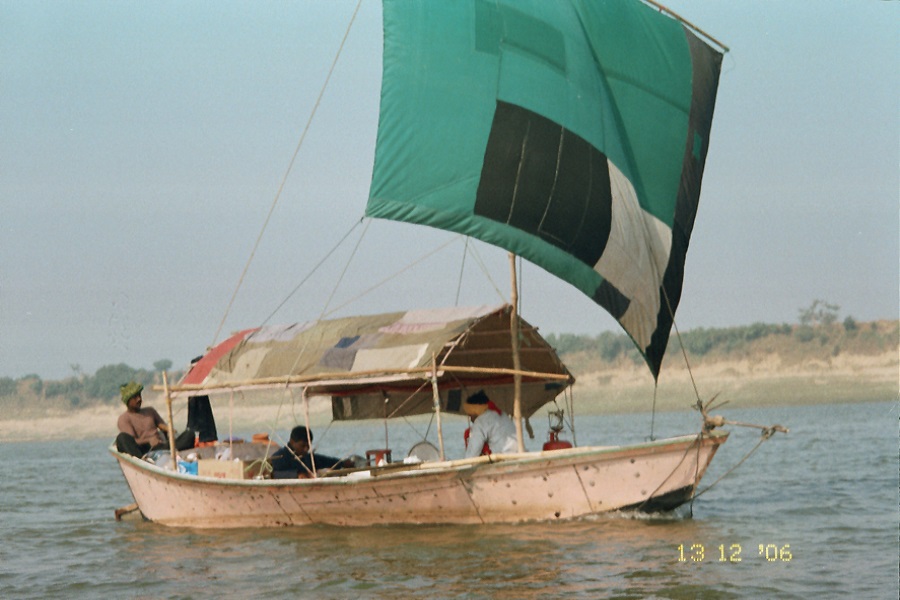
(471, 347)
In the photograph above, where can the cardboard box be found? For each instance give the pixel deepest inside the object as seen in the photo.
(221, 469)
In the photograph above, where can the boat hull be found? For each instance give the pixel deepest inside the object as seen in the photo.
(559, 484)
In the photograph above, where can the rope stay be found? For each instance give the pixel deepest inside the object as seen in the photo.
(711, 422)
(486, 271)
(287, 173)
(462, 268)
(312, 272)
(370, 289)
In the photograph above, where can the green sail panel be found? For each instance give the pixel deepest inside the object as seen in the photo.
(572, 133)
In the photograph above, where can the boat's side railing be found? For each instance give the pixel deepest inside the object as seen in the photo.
(464, 464)
(448, 465)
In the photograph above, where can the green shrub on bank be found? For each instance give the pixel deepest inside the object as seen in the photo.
(702, 341)
(7, 386)
(106, 381)
(102, 386)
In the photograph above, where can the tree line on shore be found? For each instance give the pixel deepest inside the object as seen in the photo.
(703, 341)
(82, 389)
(818, 331)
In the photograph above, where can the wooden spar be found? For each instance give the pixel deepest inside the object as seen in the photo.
(170, 428)
(678, 17)
(517, 362)
(325, 377)
(437, 404)
(125, 510)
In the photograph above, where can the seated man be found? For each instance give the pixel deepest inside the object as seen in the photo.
(139, 427)
(296, 461)
(491, 430)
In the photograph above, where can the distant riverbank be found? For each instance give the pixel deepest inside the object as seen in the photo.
(747, 366)
(100, 421)
(746, 383)
(845, 378)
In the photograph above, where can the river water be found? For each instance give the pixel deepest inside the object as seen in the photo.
(811, 514)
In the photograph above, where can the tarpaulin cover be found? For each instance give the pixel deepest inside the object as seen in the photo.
(377, 365)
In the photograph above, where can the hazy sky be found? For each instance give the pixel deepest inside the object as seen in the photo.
(142, 144)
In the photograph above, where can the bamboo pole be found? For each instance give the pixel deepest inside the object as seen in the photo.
(343, 376)
(387, 400)
(312, 458)
(437, 404)
(517, 366)
(231, 424)
(572, 414)
(171, 428)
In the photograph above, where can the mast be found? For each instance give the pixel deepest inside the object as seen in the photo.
(514, 333)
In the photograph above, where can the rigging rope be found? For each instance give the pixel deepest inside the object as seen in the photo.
(313, 271)
(386, 279)
(696, 443)
(680, 342)
(462, 268)
(486, 272)
(687, 363)
(286, 174)
(711, 422)
(340, 278)
(767, 433)
(274, 205)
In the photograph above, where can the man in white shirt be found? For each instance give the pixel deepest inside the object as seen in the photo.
(491, 430)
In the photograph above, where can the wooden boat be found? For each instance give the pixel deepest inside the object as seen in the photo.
(559, 484)
(573, 134)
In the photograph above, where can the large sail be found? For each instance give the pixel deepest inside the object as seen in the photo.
(573, 133)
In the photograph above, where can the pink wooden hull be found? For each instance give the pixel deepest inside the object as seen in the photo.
(559, 484)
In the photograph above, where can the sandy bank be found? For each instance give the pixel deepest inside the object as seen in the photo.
(745, 383)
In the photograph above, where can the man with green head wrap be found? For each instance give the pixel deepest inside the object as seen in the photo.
(139, 427)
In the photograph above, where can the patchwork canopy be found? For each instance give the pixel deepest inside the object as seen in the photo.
(381, 365)
(573, 133)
